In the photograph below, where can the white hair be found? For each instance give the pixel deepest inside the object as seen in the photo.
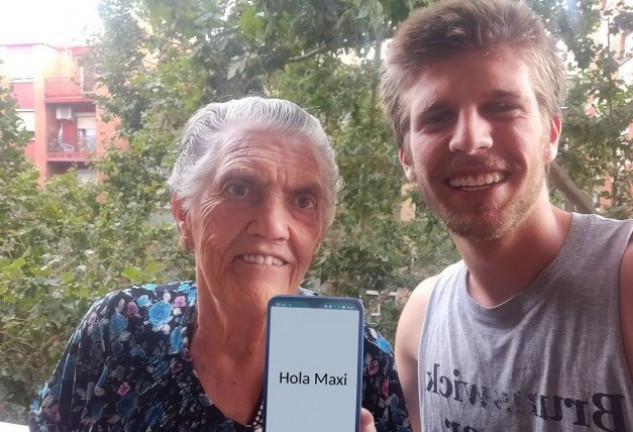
(207, 132)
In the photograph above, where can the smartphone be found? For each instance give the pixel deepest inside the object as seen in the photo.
(314, 358)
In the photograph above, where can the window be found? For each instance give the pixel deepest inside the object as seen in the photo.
(27, 118)
(19, 65)
(87, 132)
(628, 45)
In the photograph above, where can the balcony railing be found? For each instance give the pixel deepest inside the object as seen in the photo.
(80, 151)
(68, 88)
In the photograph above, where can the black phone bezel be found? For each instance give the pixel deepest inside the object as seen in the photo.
(317, 302)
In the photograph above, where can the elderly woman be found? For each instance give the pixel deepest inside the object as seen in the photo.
(254, 190)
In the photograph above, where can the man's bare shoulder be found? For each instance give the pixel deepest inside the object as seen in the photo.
(412, 318)
(408, 338)
(424, 288)
(420, 295)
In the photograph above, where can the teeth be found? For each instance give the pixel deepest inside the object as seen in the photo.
(476, 181)
(262, 260)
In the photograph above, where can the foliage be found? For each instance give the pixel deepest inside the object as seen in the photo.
(291, 49)
(16, 179)
(596, 147)
(368, 247)
(598, 141)
(63, 245)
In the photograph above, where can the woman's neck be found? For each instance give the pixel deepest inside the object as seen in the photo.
(237, 330)
(228, 353)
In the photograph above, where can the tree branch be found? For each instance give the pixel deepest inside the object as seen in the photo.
(573, 193)
(307, 55)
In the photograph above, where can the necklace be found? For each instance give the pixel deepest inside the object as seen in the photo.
(256, 424)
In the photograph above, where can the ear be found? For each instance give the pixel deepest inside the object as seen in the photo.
(551, 146)
(182, 220)
(404, 154)
(177, 210)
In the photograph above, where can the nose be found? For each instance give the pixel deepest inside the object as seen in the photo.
(271, 220)
(472, 133)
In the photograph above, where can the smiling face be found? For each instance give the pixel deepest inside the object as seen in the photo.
(258, 224)
(478, 146)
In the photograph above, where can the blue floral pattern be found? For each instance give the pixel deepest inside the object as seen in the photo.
(127, 367)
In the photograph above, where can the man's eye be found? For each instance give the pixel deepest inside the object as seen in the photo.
(433, 120)
(237, 189)
(305, 202)
(438, 117)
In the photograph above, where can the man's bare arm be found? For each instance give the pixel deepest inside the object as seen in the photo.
(407, 348)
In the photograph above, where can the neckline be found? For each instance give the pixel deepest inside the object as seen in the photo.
(510, 312)
(255, 423)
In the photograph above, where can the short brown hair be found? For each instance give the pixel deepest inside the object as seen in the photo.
(456, 26)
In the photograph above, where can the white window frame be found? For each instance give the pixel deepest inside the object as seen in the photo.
(28, 125)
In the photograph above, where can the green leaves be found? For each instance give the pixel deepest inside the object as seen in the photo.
(369, 247)
(252, 24)
(66, 243)
(596, 148)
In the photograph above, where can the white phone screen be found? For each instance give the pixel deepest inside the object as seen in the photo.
(314, 357)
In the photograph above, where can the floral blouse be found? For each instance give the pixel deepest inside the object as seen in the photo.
(127, 367)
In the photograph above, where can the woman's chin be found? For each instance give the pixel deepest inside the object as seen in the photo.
(257, 293)
(270, 280)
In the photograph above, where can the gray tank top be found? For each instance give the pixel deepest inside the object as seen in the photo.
(549, 359)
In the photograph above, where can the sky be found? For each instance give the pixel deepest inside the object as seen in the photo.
(57, 22)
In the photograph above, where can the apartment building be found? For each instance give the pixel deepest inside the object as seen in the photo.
(55, 95)
(620, 44)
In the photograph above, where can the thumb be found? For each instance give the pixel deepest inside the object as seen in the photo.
(366, 421)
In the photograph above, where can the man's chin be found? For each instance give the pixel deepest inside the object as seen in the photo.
(479, 227)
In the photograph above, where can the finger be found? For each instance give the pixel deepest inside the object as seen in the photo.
(367, 421)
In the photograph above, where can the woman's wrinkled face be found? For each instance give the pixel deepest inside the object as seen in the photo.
(258, 224)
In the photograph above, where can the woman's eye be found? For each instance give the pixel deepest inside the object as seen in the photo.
(237, 189)
(305, 202)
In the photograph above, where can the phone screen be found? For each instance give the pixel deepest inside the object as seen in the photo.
(313, 364)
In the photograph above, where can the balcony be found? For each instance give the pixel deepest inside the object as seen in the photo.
(68, 89)
(84, 149)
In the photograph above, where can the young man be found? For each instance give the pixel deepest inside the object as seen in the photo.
(533, 329)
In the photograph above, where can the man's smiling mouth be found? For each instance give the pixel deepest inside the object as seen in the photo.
(476, 181)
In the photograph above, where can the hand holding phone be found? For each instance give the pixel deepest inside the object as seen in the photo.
(367, 423)
(313, 365)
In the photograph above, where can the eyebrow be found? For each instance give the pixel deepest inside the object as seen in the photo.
(239, 174)
(438, 105)
(504, 94)
(250, 177)
(312, 189)
(427, 109)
